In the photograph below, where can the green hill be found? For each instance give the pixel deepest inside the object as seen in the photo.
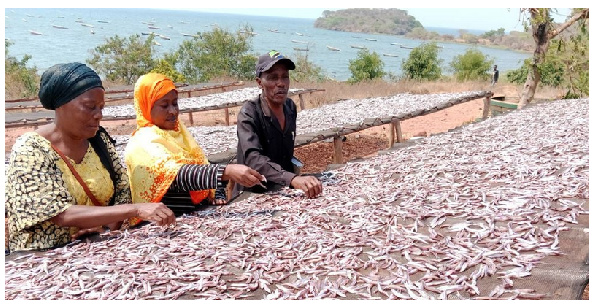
(385, 21)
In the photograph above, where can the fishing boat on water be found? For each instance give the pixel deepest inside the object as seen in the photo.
(59, 27)
(299, 42)
(102, 21)
(164, 37)
(300, 49)
(87, 25)
(371, 39)
(92, 31)
(300, 34)
(273, 30)
(35, 32)
(333, 48)
(153, 27)
(390, 55)
(156, 43)
(358, 46)
(191, 35)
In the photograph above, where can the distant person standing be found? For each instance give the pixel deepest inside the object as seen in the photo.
(495, 75)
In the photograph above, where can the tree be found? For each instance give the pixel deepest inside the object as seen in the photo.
(123, 59)
(19, 80)
(217, 53)
(543, 31)
(423, 63)
(366, 66)
(472, 65)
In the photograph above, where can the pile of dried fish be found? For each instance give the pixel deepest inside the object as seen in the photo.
(206, 102)
(465, 214)
(216, 139)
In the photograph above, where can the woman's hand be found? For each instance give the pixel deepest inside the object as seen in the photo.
(82, 232)
(242, 174)
(155, 212)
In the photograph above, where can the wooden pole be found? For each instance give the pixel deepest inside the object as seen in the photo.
(301, 102)
(398, 130)
(338, 157)
(391, 135)
(486, 108)
(191, 118)
(227, 116)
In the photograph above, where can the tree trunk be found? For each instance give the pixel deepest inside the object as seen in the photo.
(542, 34)
(540, 26)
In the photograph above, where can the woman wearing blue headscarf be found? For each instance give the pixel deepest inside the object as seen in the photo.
(65, 179)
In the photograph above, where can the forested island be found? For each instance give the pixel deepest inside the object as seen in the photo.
(384, 21)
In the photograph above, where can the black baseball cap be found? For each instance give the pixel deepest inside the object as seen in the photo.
(266, 61)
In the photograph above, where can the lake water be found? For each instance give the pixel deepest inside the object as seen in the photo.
(74, 43)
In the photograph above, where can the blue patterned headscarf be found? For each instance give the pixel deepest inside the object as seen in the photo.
(63, 82)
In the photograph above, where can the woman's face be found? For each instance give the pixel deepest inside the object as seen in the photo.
(165, 111)
(81, 116)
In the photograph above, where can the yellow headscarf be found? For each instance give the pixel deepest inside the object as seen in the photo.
(153, 155)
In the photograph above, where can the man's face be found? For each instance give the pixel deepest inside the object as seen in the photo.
(275, 84)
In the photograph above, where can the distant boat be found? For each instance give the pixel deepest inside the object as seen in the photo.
(300, 49)
(79, 21)
(35, 32)
(356, 36)
(148, 33)
(396, 44)
(406, 47)
(300, 34)
(87, 25)
(370, 39)
(61, 16)
(169, 26)
(103, 21)
(273, 30)
(164, 37)
(299, 42)
(153, 27)
(183, 22)
(156, 43)
(192, 35)
(333, 48)
(390, 55)
(59, 27)
(358, 46)
(92, 31)
(29, 15)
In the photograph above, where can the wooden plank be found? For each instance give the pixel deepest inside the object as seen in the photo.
(226, 116)
(301, 102)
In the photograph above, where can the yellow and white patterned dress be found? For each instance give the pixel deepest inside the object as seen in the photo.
(39, 186)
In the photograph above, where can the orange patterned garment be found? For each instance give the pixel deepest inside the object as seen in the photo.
(153, 155)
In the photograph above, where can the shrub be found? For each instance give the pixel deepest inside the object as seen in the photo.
(423, 63)
(217, 53)
(306, 71)
(367, 66)
(123, 59)
(19, 80)
(472, 65)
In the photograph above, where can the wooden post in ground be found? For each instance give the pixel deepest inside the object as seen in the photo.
(191, 118)
(301, 102)
(226, 116)
(486, 107)
(391, 134)
(338, 157)
(398, 130)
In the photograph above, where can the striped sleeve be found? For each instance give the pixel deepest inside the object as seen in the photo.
(198, 177)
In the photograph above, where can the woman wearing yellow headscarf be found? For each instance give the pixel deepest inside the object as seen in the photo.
(164, 161)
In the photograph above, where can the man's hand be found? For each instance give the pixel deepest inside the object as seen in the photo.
(311, 186)
(242, 174)
(156, 212)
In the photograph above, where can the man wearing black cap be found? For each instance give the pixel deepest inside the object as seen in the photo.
(266, 129)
